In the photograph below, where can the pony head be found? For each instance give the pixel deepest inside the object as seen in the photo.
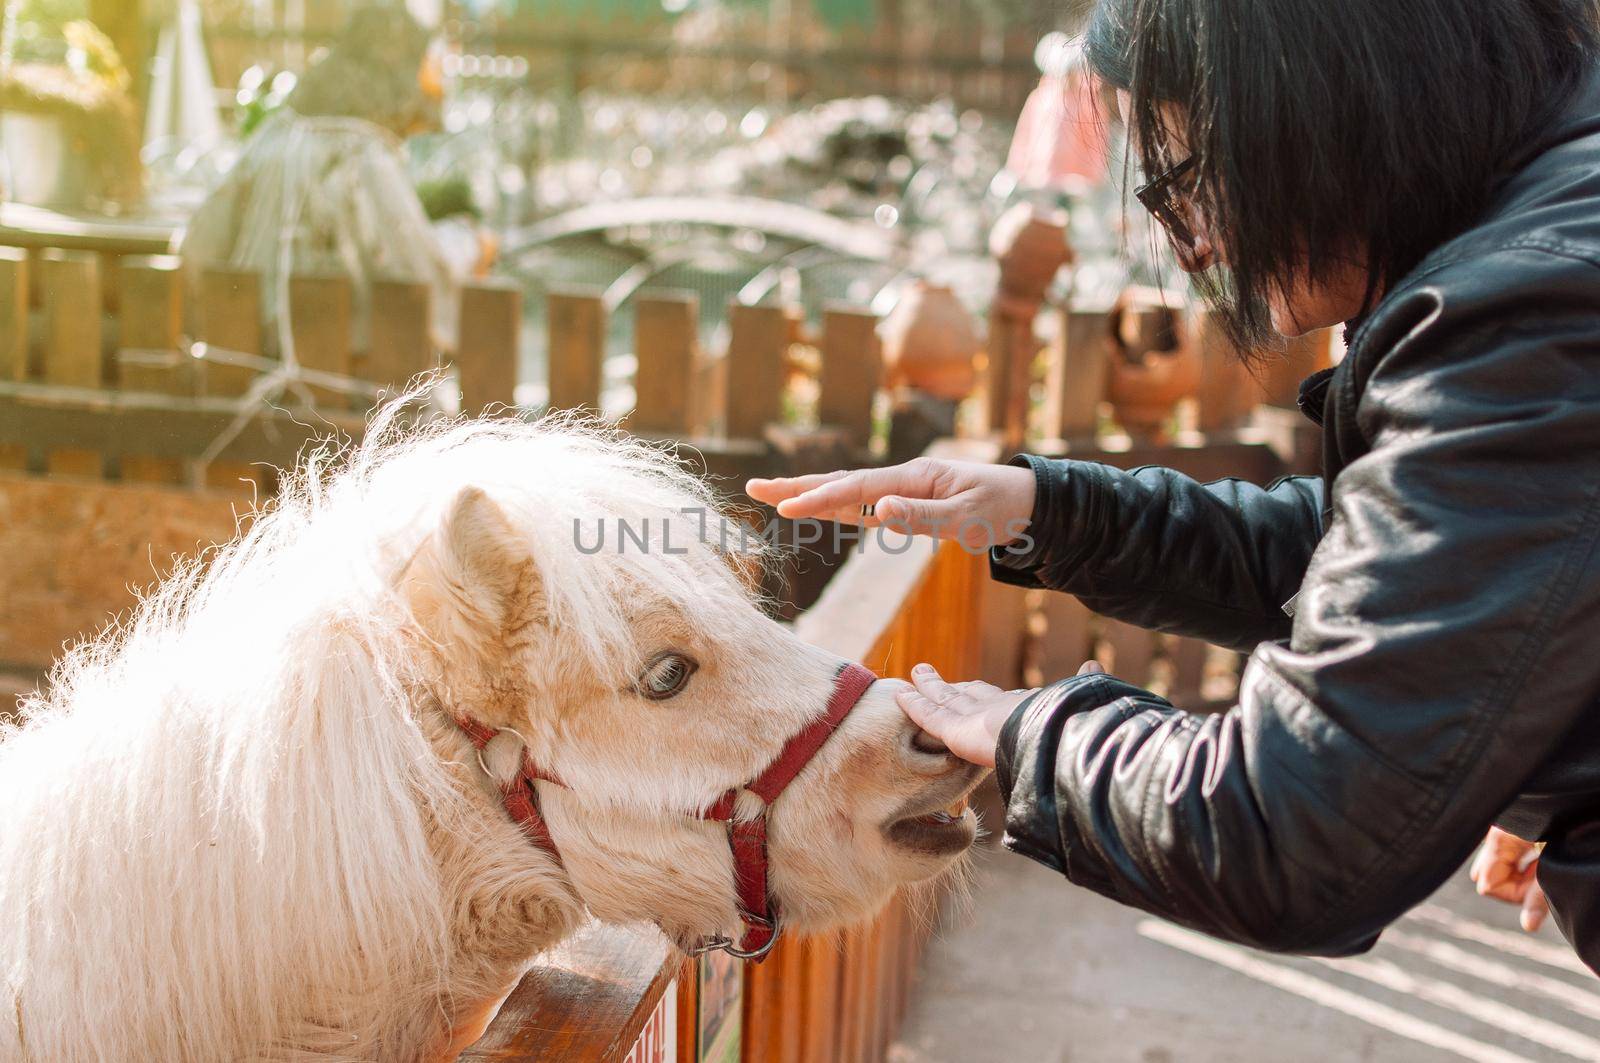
(584, 595)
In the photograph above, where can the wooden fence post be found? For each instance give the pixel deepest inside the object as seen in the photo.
(489, 345)
(401, 335)
(577, 346)
(852, 371)
(1133, 651)
(1188, 673)
(152, 321)
(757, 338)
(1227, 391)
(319, 318)
(1078, 377)
(229, 318)
(666, 329)
(13, 313)
(74, 350)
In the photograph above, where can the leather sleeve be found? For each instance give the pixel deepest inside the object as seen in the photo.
(1157, 549)
(1444, 645)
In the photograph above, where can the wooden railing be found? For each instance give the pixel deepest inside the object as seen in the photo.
(110, 366)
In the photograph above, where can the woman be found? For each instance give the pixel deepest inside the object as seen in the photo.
(322, 187)
(1423, 619)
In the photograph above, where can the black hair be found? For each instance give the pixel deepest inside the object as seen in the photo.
(1327, 129)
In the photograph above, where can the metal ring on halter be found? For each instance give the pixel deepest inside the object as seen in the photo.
(719, 943)
(504, 730)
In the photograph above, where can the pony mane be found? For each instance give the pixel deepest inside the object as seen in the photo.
(255, 707)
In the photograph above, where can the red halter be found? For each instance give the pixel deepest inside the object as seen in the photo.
(748, 838)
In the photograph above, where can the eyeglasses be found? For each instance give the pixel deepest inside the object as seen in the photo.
(1157, 198)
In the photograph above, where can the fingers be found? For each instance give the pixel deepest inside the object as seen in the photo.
(931, 685)
(924, 516)
(1535, 909)
(842, 496)
(774, 491)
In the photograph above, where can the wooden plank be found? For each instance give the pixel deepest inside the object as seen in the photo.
(792, 1017)
(821, 993)
(765, 997)
(666, 329)
(1304, 356)
(1188, 672)
(1079, 380)
(319, 318)
(73, 346)
(757, 339)
(489, 346)
(577, 328)
(113, 425)
(73, 350)
(850, 989)
(401, 333)
(1227, 391)
(688, 1047)
(152, 320)
(13, 313)
(229, 317)
(1133, 651)
(1064, 644)
(152, 328)
(1005, 617)
(852, 371)
(708, 403)
(586, 999)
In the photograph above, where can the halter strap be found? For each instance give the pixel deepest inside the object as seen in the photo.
(746, 838)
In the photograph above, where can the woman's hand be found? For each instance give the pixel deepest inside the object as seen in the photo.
(966, 717)
(979, 505)
(1505, 869)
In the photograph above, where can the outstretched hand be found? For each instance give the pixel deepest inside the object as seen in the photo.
(979, 505)
(966, 717)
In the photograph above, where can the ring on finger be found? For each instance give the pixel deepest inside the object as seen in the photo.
(868, 509)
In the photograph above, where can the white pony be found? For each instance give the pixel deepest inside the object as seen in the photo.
(244, 824)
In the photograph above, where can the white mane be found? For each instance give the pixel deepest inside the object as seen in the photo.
(234, 771)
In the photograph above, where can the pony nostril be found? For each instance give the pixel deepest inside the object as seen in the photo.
(923, 742)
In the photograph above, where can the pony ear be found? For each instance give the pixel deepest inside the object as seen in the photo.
(487, 570)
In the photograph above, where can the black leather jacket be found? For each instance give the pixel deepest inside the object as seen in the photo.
(1441, 669)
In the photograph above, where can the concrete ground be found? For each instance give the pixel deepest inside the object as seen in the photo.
(1043, 972)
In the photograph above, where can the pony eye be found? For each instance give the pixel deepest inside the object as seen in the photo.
(666, 676)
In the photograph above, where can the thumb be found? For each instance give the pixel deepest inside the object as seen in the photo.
(1091, 668)
(917, 516)
(1534, 909)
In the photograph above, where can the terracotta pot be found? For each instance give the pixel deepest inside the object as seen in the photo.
(1031, 247)
(1154, 362)
(931, 343)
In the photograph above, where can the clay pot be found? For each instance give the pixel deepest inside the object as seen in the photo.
(1031, 246)
(1154, 362)
(931, 343)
